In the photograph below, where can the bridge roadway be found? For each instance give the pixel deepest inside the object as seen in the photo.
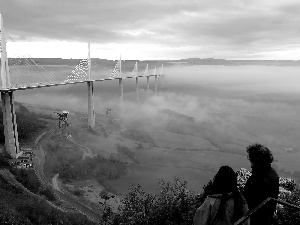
(40, 85)
(39, 168)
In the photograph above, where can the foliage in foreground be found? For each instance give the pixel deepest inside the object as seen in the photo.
(175, 204)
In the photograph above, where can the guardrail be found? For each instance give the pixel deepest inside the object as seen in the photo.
(251, 212)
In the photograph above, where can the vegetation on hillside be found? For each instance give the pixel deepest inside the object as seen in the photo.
(98, 168)
(66, 159)
(28, 123)
(19, 207)
(30, 181)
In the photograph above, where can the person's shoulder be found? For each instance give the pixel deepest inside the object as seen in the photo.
(272, 174)
(271, 178)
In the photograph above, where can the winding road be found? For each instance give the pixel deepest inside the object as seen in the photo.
(39, 162)
(86, 150)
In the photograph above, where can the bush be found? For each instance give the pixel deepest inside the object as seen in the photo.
(78, 193)
(286, 215)
(27, 178)
(4, 161)
(48, 193)
(174, 204)
(98, 168)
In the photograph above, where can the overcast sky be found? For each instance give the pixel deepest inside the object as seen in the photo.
(154, 29)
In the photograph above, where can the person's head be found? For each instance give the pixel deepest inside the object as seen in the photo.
(225, 180)
(260, 156)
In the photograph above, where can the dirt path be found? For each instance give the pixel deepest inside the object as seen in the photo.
(39, 169)
(87, 152)
(39, 160)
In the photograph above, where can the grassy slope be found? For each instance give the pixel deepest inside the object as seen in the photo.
(18, 206)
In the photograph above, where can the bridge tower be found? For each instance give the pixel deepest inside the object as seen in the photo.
(156, 80)
(161, 76)
(90, 84)
(121, 83)
(8, 106)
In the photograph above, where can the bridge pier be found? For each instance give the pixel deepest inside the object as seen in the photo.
(156, 84)
(162, 81)
(91, 108)
(121, 90)
(137, 89)
(148, 87)
(10, 124)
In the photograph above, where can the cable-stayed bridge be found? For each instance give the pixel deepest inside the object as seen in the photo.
(22, 72)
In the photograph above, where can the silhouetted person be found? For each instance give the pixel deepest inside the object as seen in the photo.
(225, 205)
(263, 183)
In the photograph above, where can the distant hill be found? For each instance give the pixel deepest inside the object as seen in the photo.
(225, 62)
(188, 61)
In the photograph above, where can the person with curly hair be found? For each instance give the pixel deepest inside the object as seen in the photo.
(225, 205)
(263, 183)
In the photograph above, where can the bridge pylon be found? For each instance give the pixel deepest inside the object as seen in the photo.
(90, 84)
(8, 106)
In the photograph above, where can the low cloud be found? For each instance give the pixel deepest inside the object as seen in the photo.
(230, 107)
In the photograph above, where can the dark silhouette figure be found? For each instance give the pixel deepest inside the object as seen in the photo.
(225, 205)
(263, 183)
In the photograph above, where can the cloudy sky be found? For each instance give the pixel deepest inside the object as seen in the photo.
(154, 29)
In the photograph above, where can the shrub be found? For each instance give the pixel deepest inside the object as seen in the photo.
(4, 161)
(174, 204)
(27, 178)
(286, 215)
(48, 193)
(77, 193)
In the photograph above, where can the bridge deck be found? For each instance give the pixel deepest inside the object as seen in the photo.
(66, 83)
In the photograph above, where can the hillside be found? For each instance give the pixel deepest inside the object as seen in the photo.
(29, 124)
(19, 206)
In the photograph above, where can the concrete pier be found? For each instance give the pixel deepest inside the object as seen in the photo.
(137, 89)
(148, 87)
(162, 81)
(156, 84)
(10, 124)
(121, 90)
(91, 109)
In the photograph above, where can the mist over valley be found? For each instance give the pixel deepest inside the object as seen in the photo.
(203, 117)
